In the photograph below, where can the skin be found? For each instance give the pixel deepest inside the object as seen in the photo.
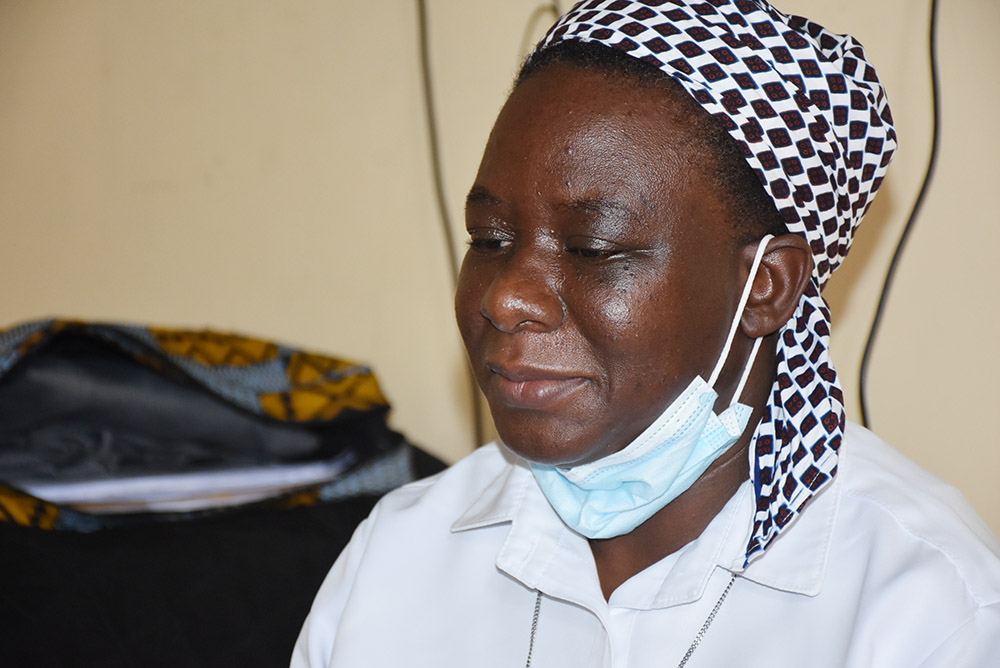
(602, 276)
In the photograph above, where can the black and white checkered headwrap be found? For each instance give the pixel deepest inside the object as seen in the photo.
(812, 119)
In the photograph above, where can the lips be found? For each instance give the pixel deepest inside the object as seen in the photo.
(532, 388)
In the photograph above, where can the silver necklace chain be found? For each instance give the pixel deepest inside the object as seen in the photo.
(534, 628)
(687, 655)
(708, 622)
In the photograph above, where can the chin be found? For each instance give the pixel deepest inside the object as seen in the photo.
(549, 444)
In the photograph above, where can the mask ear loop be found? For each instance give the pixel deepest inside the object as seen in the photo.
(758, 256)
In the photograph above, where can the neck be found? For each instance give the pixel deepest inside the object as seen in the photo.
(686, 517)
(674, 526)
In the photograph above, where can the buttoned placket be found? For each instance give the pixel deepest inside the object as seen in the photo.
(544, 555)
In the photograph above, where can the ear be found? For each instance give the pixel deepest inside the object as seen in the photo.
(780, 281)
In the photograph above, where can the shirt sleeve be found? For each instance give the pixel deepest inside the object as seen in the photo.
(976, 644)
(316, 641)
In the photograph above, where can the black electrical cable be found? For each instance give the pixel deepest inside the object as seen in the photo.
(425, 71)
(917, 203)
(551, 8)
(442, 204)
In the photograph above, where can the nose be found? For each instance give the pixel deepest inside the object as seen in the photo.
(524, 295)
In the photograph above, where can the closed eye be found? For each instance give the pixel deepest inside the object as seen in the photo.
(592, 253)
(593, 249)
(488, 240)
(487, 245)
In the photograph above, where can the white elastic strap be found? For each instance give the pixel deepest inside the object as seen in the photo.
(758, 256)
(746, 371)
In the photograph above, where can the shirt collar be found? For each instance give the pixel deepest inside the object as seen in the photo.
(796, 560)
(540, 551)
(499, 500)
(795, 563)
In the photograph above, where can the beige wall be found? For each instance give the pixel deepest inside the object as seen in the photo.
(263, 167)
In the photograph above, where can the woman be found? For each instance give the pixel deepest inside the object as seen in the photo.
(662, 198)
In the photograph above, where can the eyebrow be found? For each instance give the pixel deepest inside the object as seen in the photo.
(603, 208)
(481, 196)
(593, 207)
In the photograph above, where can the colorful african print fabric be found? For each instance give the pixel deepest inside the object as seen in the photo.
(812, 119)
(259, 376)
(93, 403)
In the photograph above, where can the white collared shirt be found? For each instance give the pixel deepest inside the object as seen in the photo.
(888, 568)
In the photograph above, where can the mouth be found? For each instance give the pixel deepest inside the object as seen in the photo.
(532, 388)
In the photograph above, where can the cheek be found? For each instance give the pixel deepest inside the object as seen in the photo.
(619, 319)
(468, 295)
(622, 304)
(637, 325)
(616, 309)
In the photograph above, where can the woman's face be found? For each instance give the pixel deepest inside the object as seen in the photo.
(601, 275)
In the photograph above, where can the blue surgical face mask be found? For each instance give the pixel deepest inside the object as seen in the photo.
(615, 494)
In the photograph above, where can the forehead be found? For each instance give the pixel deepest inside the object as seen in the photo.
(570, 132)
(583, 106)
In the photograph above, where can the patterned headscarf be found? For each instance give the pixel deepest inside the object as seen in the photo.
(812, 119)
